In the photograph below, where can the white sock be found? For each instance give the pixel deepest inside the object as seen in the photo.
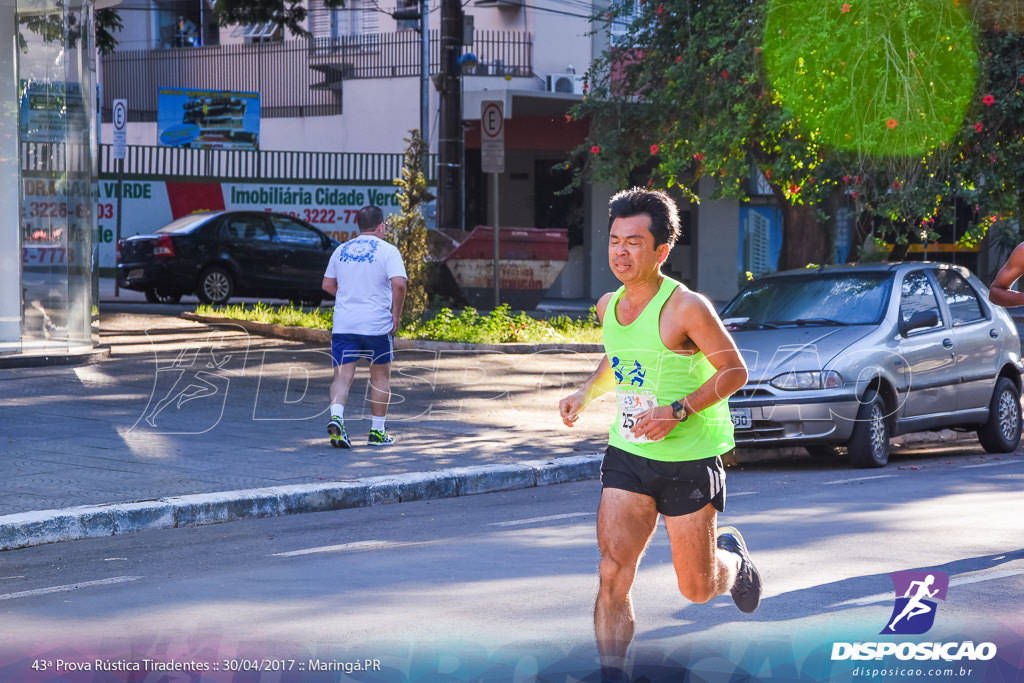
(377, 423)
(338, 411)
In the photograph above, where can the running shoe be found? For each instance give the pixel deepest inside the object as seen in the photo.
(746, 591)
(339, 437)
(379, 437)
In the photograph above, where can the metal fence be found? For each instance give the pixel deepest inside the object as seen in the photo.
(295, 78)
(151, 162)
(235, 164)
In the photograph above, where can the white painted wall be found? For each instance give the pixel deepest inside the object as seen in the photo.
(716, 246)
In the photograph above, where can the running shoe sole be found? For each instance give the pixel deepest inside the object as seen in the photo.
(339, 438)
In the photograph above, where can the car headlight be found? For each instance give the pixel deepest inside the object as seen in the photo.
(797, 381)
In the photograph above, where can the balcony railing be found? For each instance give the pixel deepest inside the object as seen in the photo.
(279, 71)
(285, 73)
(393, 55)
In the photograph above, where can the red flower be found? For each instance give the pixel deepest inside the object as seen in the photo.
(725, 74)
(568, 118)
(853, 194)
(978, 127)
(989, 100)
(846, 8)
(654, 149)
(595, 150)
(679, 58)
(892, 123)
(698, 156)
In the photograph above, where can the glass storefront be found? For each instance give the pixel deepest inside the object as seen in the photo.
(47, 178)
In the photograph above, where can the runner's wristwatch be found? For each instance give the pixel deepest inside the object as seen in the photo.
(680, 411)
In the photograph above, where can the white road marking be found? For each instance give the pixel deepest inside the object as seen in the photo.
(741, 493)
(69, 587)
(849, 481)
(991, 464)
(357, 545)
(549, 518)
(953, 581)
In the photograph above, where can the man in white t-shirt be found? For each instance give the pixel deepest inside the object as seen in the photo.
(368, 280)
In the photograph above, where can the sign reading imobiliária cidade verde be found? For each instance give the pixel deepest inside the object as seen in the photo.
(148, 205)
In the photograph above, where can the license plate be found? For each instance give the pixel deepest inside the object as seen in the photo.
(139, 272)
(740, 418)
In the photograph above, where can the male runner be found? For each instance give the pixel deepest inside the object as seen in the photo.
(672, 365)
(367, 278)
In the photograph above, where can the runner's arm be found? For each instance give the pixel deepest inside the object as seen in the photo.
(691, 316)
(330, 285)
(999, 291)
(601, 381)
(398, 289)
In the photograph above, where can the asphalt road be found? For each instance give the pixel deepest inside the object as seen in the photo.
(500, 586)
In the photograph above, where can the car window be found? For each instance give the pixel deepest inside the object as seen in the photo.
(185, 224)
(963, 302)
(916, 295)
(293, 232)
(841, 298)
(251, 228)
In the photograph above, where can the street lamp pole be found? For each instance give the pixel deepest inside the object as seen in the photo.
(466, 64)
(450, 132)
(425, 85)
(410, 14)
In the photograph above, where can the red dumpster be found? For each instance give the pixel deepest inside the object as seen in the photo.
(531, 259)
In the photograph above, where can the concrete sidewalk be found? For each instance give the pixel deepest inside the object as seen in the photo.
(186, 423)
(181, 423)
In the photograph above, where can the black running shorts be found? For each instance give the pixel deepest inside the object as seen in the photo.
(678, 488)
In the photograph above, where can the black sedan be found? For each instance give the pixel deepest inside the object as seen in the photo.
(227, 253)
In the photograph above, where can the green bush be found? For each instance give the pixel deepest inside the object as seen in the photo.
(500, 326)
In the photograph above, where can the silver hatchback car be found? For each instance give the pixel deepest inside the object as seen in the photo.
(849, 356)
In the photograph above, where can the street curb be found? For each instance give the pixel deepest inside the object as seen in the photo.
(26, 529)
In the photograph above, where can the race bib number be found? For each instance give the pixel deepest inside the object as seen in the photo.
(631, 403)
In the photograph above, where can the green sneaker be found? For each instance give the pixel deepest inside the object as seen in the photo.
(339, 437)
(379, 437)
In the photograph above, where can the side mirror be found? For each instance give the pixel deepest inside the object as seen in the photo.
(919, 320)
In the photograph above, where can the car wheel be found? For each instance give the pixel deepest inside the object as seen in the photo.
(869, 445)
(155, 296)
(1001, 434)
(215, 286)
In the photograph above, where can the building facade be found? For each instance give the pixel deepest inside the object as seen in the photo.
(356, 86)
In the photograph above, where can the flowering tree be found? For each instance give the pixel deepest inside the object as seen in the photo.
(909, 111)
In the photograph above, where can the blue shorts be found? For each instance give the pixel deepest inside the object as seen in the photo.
(349, 348)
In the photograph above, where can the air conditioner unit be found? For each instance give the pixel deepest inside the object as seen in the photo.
(567, 83)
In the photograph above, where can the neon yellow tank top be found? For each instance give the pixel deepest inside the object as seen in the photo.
(648, 374)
